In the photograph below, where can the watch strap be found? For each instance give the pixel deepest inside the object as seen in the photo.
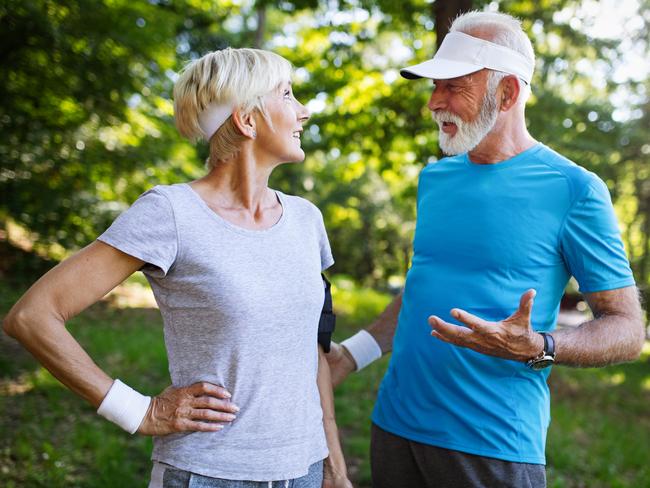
(549, 344)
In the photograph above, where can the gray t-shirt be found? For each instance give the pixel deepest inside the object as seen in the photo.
(240, 309)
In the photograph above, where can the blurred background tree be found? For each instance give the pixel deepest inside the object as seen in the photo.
(86, 115)
(86, 125)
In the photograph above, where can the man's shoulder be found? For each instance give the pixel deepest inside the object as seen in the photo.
(575, 175)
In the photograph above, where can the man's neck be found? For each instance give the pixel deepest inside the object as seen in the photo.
(503, 142)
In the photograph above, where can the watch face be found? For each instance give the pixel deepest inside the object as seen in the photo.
(545, 362)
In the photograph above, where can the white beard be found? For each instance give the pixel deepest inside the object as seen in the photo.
(468, 134)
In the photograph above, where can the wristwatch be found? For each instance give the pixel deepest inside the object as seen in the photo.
(546, 357)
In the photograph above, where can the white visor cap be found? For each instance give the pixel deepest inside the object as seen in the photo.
(462, 54)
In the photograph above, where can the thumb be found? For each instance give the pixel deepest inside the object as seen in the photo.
(526, 303)
(523, 313)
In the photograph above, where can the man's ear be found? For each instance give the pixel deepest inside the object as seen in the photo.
(510, 88)
(245, 123)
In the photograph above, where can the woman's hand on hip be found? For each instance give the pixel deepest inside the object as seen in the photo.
(201, 407)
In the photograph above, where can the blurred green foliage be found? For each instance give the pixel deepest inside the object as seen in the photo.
(86, 115)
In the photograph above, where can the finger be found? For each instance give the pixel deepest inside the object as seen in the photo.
(207, 414)
(472, 321)
(215, 404)
(197, 426)
(204, 388)
(447, 332)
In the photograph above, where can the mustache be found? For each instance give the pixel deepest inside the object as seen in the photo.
(441, 116)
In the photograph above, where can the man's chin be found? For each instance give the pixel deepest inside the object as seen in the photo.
(449, 149)
(453, 146)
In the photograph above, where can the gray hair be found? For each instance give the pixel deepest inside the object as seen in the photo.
(499, 28)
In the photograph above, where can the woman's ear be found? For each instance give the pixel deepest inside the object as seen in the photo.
(245, 123)
(509, 92)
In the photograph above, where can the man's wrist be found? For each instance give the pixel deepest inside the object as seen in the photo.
(538, 345)
(362, 348)
(546, 357)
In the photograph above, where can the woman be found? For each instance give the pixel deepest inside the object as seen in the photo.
(235, 268)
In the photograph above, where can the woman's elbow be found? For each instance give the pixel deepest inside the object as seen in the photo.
(17, 323)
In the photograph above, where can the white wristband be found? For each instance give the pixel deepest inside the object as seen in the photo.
(363, 347)
(124, 406)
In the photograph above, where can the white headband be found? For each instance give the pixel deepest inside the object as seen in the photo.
(213, 117)
(461, 54)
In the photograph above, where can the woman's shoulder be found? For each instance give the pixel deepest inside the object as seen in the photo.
(170, 191)
(296, 201)
(174, 195)
(299, 204)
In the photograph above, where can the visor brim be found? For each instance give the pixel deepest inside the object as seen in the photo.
(439, 69)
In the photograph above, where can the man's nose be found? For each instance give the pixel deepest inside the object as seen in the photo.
(436, 101)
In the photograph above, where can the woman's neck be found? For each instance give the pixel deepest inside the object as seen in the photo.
(237, 189)
(240, 182)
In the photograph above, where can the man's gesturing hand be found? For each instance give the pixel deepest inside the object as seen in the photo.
(512, 338)
(198, 407)
(340, 362)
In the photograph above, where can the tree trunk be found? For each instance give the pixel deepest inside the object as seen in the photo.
(261, 26)
(641, 271)
(444, 12)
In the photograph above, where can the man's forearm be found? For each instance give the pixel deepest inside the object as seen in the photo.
(369, 344)
(615, 335)
(600, 342)
(383, 329)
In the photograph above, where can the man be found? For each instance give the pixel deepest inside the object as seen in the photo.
(503, 220)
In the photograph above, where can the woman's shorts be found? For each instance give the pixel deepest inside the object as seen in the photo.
(165, 476)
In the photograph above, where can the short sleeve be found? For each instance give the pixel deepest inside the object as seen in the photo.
(147, 231)
(591, 242)
(326, 258)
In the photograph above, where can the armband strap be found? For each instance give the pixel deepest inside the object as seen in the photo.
(363, 347)
(124, 406)
(327, 321)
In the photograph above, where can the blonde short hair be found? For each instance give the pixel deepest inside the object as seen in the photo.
(236, 77)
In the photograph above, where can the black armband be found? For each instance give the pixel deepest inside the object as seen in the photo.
(327, 321)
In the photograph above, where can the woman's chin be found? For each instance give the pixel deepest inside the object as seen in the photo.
(295, 157)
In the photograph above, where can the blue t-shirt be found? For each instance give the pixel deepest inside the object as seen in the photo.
(484, 235)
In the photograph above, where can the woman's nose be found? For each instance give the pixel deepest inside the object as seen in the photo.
(302, 112)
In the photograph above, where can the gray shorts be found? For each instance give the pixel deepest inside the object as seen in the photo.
(399, 462)
(164, 476)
